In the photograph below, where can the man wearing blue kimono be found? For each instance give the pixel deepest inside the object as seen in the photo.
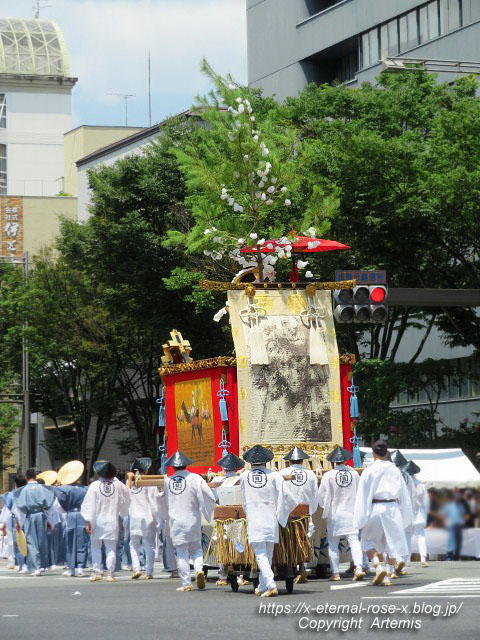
(70, 499)
(31, 505)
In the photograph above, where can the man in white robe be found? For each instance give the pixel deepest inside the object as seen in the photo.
(337, 495)
(267, 502)
(421, 508)
(400, 461)
(187, 497)
(230, 464)
(106, 499)
(304, 487)
(143, 524)
(383, 511)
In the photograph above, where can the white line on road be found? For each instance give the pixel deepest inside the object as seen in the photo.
(10, 615)
(349, 586)
(393, 597)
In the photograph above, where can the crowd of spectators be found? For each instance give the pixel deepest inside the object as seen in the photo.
(454, 510)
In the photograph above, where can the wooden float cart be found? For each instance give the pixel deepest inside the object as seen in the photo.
(292, 549)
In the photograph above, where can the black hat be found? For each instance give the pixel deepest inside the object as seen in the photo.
(411, 468)
(296, 455)
(398, 458)
(178, 459)
(339, 454)
(105, 469)
(231, 462)
(380, 448)
(142, 465)
(258, 454)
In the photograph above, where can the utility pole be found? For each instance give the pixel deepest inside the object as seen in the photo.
(36, 8)
(149, 95)
(125, 96)
(23, 398)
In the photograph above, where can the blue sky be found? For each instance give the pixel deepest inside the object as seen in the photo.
(108, 42)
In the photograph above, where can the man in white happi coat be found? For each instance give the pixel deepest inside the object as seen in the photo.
(337, 495)
(143, 512)
(420, 510)
(230, 464)
(382, 512)
(106, 499)
(267, 501)
(304, 487)
(187, 498)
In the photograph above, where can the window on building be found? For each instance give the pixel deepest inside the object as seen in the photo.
(470, 11)
(3, 111)
(346, 67)
(418, 26)
(370, 47)
(3, 169)
(450, 15)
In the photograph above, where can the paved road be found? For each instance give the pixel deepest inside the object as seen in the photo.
(54, 606)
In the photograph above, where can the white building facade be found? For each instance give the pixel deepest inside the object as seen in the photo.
(35, 106)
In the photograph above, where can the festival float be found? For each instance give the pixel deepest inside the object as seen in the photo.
(287, 385)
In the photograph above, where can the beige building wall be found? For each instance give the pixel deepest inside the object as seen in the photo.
(84, 140)
(41, 220)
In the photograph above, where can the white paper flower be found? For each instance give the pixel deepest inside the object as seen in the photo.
(253, 236)
(232, 87)
(271, 189)
(241, 241)
(207, 253)
(273, 259)
(269, 201)
(261, 184)
(252, 118)
(238, 100)
(258, 195)
(264, 152)
(264, 197)
(261, 241)
(308, 274)
(231, 202)
(206, 232)
(283, 189)
(315, 244)
(224, 196)
(245, 157)
(217, 239)
(288, 202)
(270, 246)
(312, 231)
(241, 108)
(281, 253)
(255, 137)
(231, 137)
(302, 264)
(273, 180)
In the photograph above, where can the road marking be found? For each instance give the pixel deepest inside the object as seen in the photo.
(10, 615)
(450, 587)
(391, 597)
(349, 586)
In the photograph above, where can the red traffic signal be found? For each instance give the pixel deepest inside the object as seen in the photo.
(378, 294)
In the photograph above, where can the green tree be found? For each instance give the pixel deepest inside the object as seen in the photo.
(241, 175)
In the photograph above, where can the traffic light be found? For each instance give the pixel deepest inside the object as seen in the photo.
(361, 304)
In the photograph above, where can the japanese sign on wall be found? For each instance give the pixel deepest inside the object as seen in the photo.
(11, 227)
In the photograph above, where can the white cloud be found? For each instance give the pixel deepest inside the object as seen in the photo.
(108, 43)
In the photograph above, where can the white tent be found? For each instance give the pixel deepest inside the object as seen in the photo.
(439, 468)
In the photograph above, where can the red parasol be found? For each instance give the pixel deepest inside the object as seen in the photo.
(299, 244)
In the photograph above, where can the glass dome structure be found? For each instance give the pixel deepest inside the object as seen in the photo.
(32, 47)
